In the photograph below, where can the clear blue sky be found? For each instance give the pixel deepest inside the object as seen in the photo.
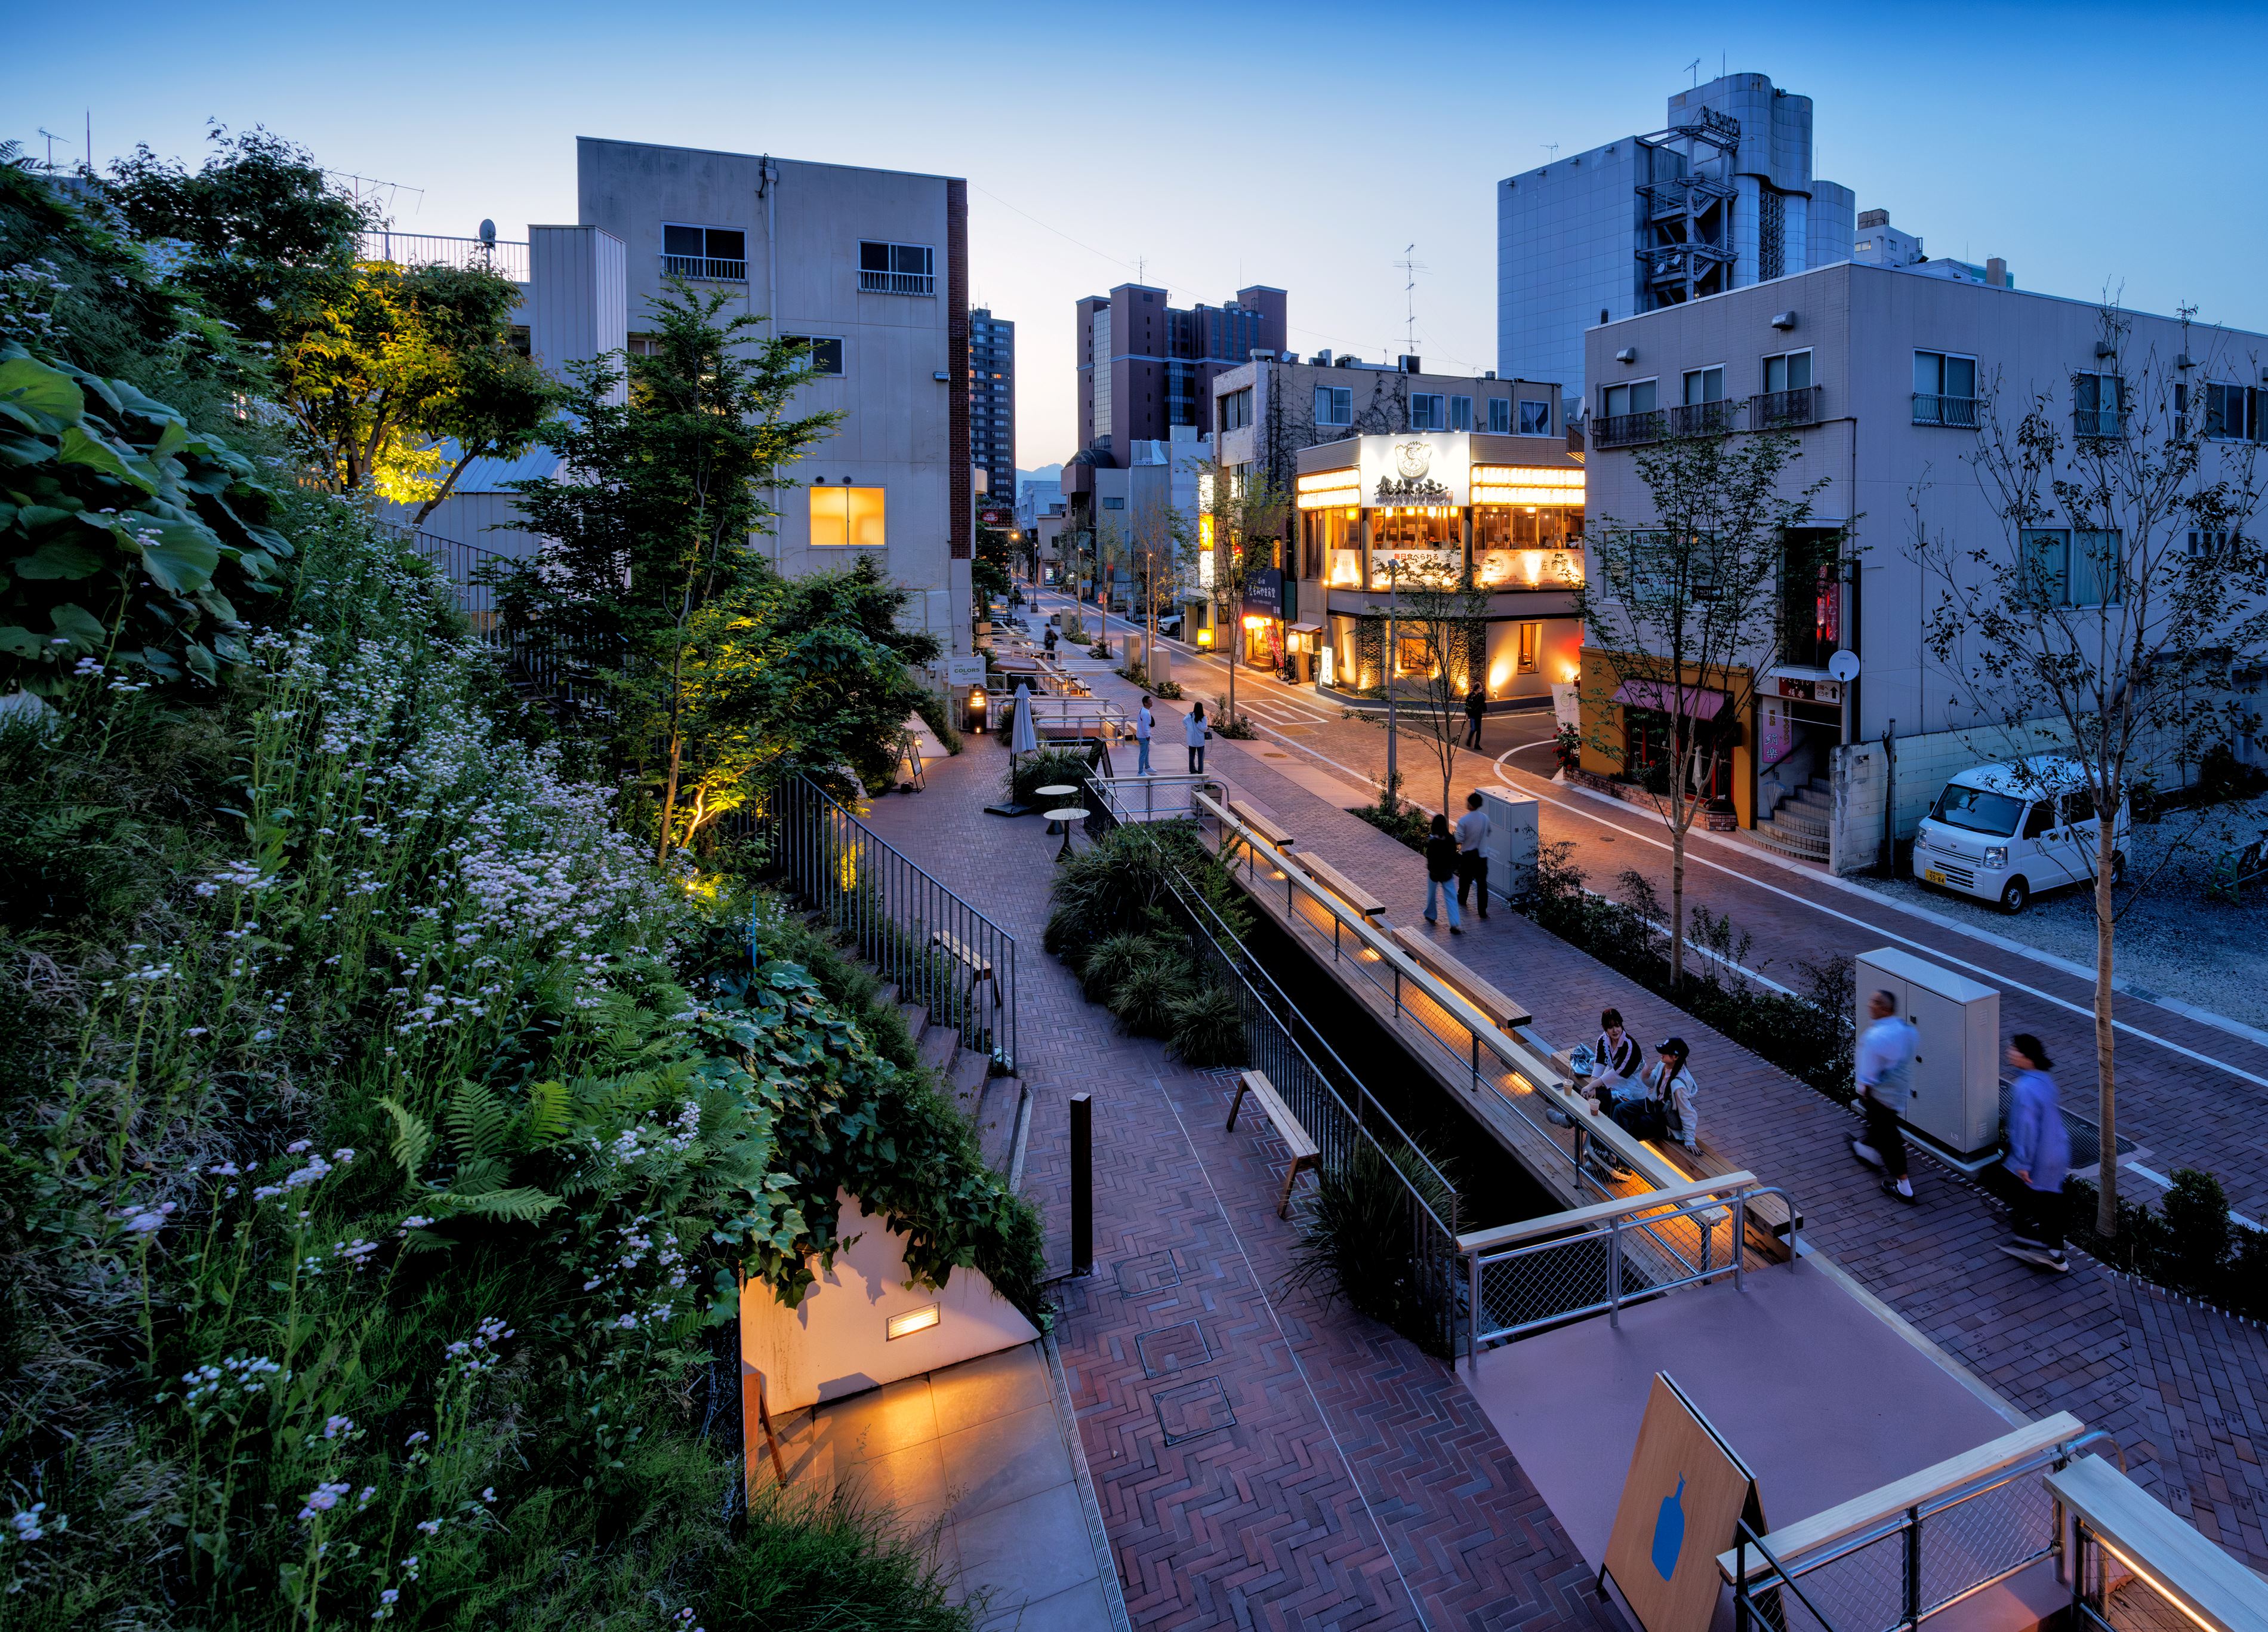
(1301, 145)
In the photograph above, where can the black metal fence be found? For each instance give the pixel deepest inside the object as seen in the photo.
(461, 564)
(941, 951)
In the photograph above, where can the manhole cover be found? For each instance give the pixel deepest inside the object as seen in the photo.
(1192, 1409)
(1173, 1348)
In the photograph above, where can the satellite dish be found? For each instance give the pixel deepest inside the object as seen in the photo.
(488, 233)
(1844, 666)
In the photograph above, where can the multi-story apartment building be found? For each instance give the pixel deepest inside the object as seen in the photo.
(1880, 244)
(1723, 196)
(992, 402)
(1881, 374)
(1145, 368)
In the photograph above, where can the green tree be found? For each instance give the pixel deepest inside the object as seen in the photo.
(1242, 520)
(1439, 608)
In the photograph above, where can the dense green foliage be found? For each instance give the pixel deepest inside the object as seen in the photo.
(2188, 1243)
(1354, 1236)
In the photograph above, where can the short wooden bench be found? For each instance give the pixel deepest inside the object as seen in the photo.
(1261, 820)
(1305, 1154)
(1339, 884)
(1462, 980)
(979, 967)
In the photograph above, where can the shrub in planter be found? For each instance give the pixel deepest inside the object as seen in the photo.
(1045, 769)
(1146, 996)
(1355, 1237)
(1208, 1028)
(1228, 723)
(1110, 960)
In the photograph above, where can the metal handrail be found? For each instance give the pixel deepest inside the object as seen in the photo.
(1956, 413)
(710, 269)
(1135, 798)
(1704, 418)
(873, 283)
(1628, 430)
(1802, 405)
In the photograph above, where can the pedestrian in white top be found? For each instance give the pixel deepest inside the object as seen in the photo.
(1885, 1073)
(1141, 724)
(1472, 860)
(1194, 733)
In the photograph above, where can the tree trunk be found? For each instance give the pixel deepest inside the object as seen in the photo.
(676, 756)
(1677, 897)
(2106, 1215)
(445, 489)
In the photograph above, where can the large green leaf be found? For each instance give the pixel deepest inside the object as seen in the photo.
(82, 628)
(101, 453)
(183, 558)
(42, 390)
(61, 555)
(17, 641)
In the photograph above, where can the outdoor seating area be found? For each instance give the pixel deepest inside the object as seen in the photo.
(1304, 1151)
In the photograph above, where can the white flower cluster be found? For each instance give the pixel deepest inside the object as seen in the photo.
(142, 1218)
(324, 1497)
(32, 1523)
(247, 1374)
(471, 1355)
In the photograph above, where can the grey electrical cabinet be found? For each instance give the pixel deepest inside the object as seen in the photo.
(1957, 1103)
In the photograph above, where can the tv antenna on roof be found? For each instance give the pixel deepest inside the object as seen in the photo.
(1409, 270)
(1550, 150)
(1694, 68)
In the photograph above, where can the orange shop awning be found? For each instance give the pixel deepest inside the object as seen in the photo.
(1660, 694)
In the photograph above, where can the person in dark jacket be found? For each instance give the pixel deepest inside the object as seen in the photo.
(1475, 709)
(1442, 871)
(2039, 1153)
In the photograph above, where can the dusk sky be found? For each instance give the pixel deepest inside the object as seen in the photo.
(1300, 145)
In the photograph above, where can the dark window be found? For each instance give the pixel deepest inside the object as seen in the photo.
(710, 252)
(826, 355)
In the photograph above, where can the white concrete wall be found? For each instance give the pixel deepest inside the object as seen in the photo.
(577, 296)
(834, 1342)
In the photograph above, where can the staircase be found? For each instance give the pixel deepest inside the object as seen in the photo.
(1798, 823)
(994, 1105)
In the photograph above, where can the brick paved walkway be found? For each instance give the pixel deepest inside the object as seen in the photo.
(1259, 1460)
(2161, 1084)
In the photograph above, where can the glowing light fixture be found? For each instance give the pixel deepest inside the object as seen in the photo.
(914, 1320)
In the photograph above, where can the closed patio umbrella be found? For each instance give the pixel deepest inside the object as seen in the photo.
(1023, 739)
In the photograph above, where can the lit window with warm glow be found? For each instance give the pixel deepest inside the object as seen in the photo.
(846, 518)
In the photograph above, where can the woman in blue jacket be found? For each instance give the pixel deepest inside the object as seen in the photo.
(2039, 1154)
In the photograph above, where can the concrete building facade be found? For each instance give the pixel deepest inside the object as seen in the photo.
(1146, 367)
(993, 400)
(1885, 377)
(1723, 196)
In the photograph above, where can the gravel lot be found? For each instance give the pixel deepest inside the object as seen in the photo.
(2173, 940)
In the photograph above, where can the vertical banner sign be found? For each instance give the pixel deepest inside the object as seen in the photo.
(1682, 1506)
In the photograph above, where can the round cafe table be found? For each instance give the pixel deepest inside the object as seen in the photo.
(1066, 815)
(1055, 790)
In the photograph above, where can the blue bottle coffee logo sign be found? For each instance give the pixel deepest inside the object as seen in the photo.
(1669, 1532)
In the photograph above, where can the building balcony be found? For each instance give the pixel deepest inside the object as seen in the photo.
(871, 283)
(1771, 409)
(1958, 413)
(1703, 418)
(707, 269)
(506, 256)
(1628, 430)
(2097, 423)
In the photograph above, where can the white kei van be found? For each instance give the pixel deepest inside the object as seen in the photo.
(2007, 832)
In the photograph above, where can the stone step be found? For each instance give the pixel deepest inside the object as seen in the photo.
(1816, 797)
(1790, 843)
(964, 1080)
(916, 1019)
(1801, 818)
(996, 1121)
(938, 1047)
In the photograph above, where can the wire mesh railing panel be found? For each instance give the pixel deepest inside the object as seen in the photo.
(1862, 1591)
(1983, 1538)
(1543, 1284)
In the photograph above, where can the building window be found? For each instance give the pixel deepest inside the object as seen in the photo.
(1461, 413)
(1637, 398)
(2070, 566)
(1499, 413)
(896, 268)
(2234, 413)
(1535, 418)
(825, 355)
(2095, 399)
(1426, 411)
(1236, 410)
(1334, 405)
(2213, 543)
(1113, 504)
(1531, 647)
(1945, 389)
(1703, 385)
(846, 518)
(719, 253)
(1787, 371)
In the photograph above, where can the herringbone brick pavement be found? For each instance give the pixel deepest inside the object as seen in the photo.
(1261, 1459)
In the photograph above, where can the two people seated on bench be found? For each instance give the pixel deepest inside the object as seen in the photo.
(1661, 1102)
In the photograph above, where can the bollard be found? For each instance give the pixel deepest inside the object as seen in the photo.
(1082, 1184)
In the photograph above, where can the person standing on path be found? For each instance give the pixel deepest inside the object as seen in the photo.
(2039, 1153)
(1472, 858)
(1194, 734)
(1886, 1056)
(1475, 707)
(1440, 872)
(1143, 723)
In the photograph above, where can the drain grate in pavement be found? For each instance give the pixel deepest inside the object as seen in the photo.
(1192, 1409)
(1148, 1273)
(1183, 1348)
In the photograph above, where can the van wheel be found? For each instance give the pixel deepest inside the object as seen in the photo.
(2016, 896)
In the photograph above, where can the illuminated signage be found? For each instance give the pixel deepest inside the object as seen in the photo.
(1417, 470)
(1541, 485)
(1326, 490)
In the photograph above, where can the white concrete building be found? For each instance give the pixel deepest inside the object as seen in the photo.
(1881, 374)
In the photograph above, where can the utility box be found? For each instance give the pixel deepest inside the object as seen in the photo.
(1512, 840)
(1161, 666)
(1957, 1103)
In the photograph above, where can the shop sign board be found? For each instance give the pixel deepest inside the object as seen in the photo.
(1422, 470)
(1263, 591)
(1682, 1505)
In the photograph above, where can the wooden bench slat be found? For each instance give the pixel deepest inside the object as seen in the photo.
(1305, 1153)
(1476, 990)
(1339, 884)
(1261, 820)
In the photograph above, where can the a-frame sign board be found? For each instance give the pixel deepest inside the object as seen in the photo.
(1682, 1501)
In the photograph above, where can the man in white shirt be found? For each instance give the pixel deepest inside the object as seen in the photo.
(1141, 724)
(1472, 861)
(1885, 1072)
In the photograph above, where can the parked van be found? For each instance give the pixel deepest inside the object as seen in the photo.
(2007, 832)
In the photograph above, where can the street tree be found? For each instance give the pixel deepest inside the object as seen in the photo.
(1243, 519)
(1439, 617)
(1688, 604)
(2120, 618)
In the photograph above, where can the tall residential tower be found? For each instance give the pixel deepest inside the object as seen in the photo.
(992, 403)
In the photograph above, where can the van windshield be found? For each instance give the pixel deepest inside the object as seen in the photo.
(1977, 809)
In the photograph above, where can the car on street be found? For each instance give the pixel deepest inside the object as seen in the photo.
(2007, 832)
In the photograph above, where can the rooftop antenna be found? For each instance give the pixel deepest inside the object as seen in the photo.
(1550, 150)
(51, 148)
(1141, 269)
(1694, 68)
(1409, 270)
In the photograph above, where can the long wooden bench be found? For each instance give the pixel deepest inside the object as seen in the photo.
(1339, 884)
(1467, 984)
(1305, 1154)
(1261, 820)
(979, 967)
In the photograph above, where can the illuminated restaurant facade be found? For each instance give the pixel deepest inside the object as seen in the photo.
(1433, 508)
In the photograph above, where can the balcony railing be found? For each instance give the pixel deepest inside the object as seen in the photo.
(1799, 407)
(871, 283)
(1703, 418)
(708, 267)
(507, 256)
(1628, 430)
(2096, 422)
(1958, 412)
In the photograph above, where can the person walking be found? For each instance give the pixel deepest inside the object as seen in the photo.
(1885, 1071)
(1143, 724)
(1195, 734)
(1475, 707)
(1472, 856)
(1440, 872)
(1050, 639)
(2039, 1154)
